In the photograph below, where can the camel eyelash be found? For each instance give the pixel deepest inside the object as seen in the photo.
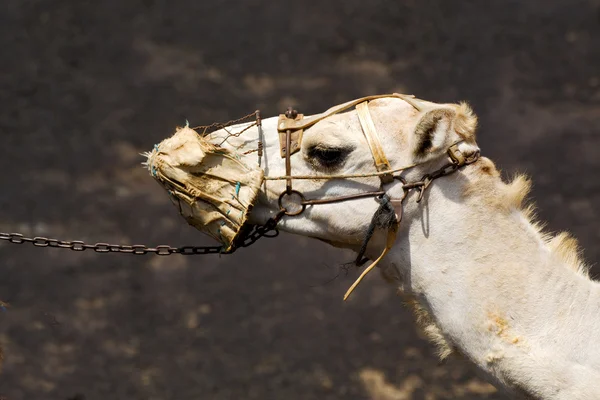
(327, 157)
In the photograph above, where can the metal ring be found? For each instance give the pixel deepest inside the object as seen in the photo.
(288, 213)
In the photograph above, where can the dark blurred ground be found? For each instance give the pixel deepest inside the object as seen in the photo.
(87, 85)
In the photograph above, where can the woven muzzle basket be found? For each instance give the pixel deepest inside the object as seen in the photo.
(212, 187)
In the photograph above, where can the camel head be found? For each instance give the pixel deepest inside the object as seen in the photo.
(327, 157)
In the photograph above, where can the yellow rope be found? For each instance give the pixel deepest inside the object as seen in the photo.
(365, 272)
(391, 238)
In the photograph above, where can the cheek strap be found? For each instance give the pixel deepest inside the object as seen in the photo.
(368, 128)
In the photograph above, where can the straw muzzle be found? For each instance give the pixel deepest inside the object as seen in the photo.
(211, 185)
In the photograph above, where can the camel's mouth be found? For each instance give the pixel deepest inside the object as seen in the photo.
(212, 187)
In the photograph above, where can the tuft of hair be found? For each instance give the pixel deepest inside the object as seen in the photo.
(146, 155)
(565, 247)
(431, 330)
(517, 191)
(530, 214)
(465, 123)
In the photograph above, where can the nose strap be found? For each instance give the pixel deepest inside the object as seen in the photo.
(368, 127)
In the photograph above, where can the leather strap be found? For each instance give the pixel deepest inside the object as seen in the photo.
(291, 124)
(368, 127)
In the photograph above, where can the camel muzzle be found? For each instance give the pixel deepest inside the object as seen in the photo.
(211, 186)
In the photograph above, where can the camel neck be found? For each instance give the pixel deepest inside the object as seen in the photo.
(500, 292)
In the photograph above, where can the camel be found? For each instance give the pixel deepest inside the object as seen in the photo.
(485, 281)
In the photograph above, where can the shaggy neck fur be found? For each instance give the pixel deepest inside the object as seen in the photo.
(490, 285)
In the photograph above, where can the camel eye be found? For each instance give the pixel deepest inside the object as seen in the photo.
(327, 157)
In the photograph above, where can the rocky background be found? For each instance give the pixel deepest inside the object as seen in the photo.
(85, 86)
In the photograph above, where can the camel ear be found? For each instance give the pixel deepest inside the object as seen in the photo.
(433, 132)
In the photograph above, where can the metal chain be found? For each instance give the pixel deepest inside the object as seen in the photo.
(137, 249)
(422, 185)
(268, 230)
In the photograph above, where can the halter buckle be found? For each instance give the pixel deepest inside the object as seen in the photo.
(456, 155)
(286, 123)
